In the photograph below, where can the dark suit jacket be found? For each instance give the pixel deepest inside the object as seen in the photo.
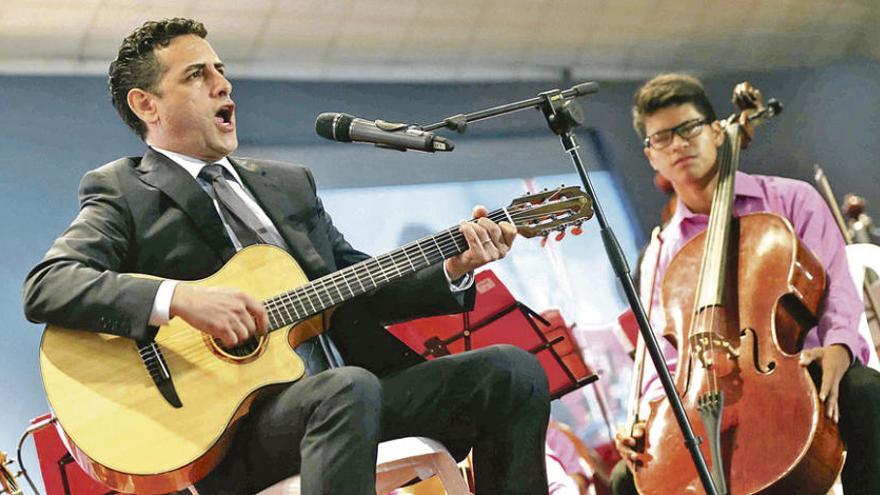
(147, 215)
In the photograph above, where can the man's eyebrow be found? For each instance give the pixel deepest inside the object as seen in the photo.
(192, 67)
(202, 65)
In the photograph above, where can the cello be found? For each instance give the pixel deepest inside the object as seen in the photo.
(739, 331)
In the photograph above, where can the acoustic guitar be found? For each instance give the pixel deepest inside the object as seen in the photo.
(155, 417)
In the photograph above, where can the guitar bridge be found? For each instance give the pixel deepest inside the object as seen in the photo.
(154, 361)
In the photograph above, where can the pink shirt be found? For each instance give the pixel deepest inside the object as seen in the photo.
(809, 214)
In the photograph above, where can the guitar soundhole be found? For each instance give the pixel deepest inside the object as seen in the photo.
(241, 351)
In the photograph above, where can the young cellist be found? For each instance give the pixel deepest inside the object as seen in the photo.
(682, 138)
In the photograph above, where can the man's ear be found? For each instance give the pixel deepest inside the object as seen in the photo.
(717, 134)
(647, 151)
(143, 104)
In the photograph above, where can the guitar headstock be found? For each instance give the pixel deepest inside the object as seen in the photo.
(555, 210)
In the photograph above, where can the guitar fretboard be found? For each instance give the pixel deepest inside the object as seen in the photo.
(358, 279)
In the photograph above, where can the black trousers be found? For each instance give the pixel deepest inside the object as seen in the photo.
(859, 402)
(326, 427)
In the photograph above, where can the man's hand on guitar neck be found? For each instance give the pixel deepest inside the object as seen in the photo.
(226, 314)
(487, 241)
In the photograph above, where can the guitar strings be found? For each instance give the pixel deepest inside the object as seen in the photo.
(275, 305)
(373, 269)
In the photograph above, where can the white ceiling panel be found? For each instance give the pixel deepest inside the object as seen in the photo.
(454, 39)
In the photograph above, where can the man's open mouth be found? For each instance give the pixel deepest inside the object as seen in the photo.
(224, 115)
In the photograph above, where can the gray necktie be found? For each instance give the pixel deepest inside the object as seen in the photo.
(248, 229)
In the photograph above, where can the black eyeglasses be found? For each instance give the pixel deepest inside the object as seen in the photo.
(687, 130)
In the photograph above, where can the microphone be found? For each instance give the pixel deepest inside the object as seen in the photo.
(401, 137)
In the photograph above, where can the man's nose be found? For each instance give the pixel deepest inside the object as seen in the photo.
(222, 86)
(678, 141)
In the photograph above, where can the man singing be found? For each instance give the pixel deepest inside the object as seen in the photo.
(186, 206)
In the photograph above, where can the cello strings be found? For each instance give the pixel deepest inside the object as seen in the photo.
(728, 165)
(714, 251)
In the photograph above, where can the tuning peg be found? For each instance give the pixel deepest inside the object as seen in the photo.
(544, 241)
(577, 230)
(560, 235)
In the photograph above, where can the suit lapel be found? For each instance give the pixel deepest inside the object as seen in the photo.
(160, 172)
(283, 211)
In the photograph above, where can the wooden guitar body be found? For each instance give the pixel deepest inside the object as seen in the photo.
(117, 424)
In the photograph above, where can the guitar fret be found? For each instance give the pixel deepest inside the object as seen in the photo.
(410, 261)
(271, 306)
(325, 291)
(278, 306)
(419, 245)
(394, 263)
(350, 275)
(454, 241)
(309, 299)
(434, 238)
(273, 321)
(334, 285)
(369, 273)
(344, 279)
(460, 242)
(287, 310)
(379, 264)
(290, 303)
(359, 281)
(318, 295)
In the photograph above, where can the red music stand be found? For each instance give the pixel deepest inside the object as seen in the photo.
(498, 318)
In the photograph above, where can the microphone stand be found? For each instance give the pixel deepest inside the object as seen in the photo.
(563, 115)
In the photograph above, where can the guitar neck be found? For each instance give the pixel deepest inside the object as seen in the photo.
(368, 275)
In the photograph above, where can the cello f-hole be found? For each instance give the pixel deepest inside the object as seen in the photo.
(756, 355)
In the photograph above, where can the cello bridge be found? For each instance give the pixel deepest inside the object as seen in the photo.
(705, 344)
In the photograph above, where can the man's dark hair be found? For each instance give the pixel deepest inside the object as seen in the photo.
(666, 90)
(136, 65)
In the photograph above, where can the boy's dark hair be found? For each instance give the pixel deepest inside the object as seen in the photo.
(136, 65)
(666, 90)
